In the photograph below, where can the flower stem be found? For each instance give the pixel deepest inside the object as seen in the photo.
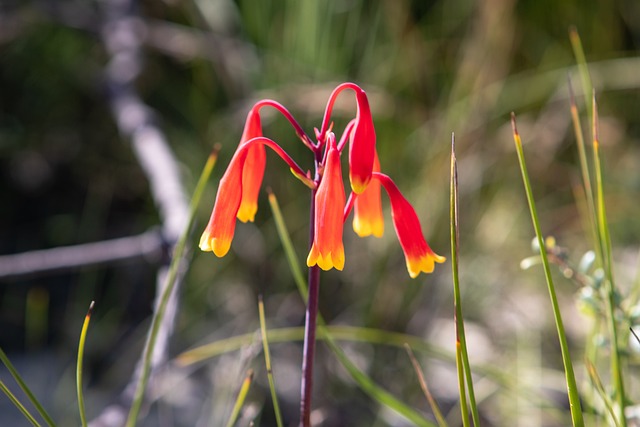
(311, 318)
(309, 347)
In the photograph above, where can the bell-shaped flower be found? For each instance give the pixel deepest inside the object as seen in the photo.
(222, 224)
(367, 208)
(327, 250)
(362, 145)
(253, 170)
(418, 255)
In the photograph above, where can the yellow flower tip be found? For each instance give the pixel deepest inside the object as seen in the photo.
(424, 264)
(437, 258)
(331, 260)
(220, 247)
(247, 212)
(358, 185)
(205, 242)
(368, 228)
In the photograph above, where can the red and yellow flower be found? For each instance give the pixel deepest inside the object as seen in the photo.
(418, 255)
(222, 224)
(253, 169)
(239, 188)
(327, 250)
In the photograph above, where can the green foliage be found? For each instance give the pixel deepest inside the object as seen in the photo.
(430, 68)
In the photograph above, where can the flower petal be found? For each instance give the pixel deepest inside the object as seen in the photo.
(418, 255)
(367, 208)
(327, 250)
(362, 145)
(219, 232)
(253, 170)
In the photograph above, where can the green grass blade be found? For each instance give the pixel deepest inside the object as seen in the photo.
(616, 366)
(242, 395)
(156, 321)
(23, 386)
(572, 388)
(83, 336)
(367, 385)
(597, 383)
(586, 175)
(583, 69)
(356, 334)
(289, 251)
(425, 389)
(465, 380)
(267, 360)
(19, 405)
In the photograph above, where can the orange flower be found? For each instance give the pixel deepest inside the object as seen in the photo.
(367, 208)
(418, 255)
(222, 224)
(327, 250)
(253, 170)
(362, 145)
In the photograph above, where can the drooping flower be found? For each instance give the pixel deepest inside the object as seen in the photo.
(253, 170)
(367, 208)
(222, 224)
(418, 255)
(362, 145)
(327, 250)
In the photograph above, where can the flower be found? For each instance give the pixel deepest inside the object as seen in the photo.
(367, 208)
(253, 169)
(418, 255)
(327, 250)
(362, 145)
(239, 188)
(219, 232)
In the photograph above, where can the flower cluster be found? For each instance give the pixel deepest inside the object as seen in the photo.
(239, 187)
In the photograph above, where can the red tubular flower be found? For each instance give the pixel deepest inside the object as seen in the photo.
(253, 170)
(327, 250)
(362, 145)
(418, 255)
(219, 232)
(367, 208)
(222, 224)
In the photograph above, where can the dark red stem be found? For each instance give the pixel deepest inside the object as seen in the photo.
(306, 386)
(309, 349)
(329, 107)
(281, 108)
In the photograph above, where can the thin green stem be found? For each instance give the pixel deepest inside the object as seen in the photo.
(242, 395)
(462, 356)
(425, 389)
(289, 251)
(572, 388)
(583, 69)
(597, 383)
(83, 336)
(267, 361)
(168, 289)
(23, 386)
(609, 289)
(586, 176)
(18, 405)
(368, 386)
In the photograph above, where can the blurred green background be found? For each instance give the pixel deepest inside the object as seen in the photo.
(430, 68)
